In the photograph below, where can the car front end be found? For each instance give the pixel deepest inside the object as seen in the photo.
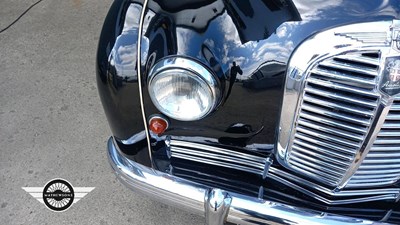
(256, 112)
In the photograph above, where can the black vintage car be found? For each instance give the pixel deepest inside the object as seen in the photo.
(259, 111)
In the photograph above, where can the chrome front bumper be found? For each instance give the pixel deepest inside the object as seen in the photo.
(218, 206)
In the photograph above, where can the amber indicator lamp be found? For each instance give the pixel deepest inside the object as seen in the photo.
(158, 124)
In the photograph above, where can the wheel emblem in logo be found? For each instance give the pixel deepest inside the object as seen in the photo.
(58, 195)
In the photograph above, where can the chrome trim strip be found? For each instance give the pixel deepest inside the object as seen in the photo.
(139, 73)
(191, 196)
(217, 150)
(218, 157)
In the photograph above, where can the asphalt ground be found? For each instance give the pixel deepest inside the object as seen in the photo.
(52, 124)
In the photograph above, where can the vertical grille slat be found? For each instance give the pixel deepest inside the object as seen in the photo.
(338, 104)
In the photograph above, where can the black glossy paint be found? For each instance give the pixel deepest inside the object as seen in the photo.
(218, 34)
(117, 78)
(259, 37)
(254, 37)
(116, 69)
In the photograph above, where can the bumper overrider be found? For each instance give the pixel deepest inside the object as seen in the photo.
(218, 206)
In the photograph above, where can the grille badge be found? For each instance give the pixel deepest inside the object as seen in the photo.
(390, 83)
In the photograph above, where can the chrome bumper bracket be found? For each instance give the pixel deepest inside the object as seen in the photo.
(216, 206)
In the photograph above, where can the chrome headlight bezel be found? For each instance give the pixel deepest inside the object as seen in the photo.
(191, 68)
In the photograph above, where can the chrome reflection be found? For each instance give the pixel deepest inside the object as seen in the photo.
(122, 58)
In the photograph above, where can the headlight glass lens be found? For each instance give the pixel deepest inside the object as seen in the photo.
(181, 94)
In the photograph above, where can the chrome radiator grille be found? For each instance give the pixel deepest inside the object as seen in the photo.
(338, 104)
(381, 166)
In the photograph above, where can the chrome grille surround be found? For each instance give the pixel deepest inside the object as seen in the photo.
(339, 127)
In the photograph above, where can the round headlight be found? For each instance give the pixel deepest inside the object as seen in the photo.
(182, 89)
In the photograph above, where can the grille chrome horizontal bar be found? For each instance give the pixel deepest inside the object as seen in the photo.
(359, 59)
(344, 152)
(327, 129)
(321, 164)
(389, 134)
(342, 97)
(333, 105)
(184, 151)
(391, 125)
(314, 149)
(335, 115)
(342, 87)
(330, 138)
(344, 78)
(396, 107)
(349, 67)
(218, 156)
(333, 123)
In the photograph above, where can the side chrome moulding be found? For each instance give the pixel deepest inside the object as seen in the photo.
(214, 204)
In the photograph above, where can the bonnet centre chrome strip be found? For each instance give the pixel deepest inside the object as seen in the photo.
(139, 72)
